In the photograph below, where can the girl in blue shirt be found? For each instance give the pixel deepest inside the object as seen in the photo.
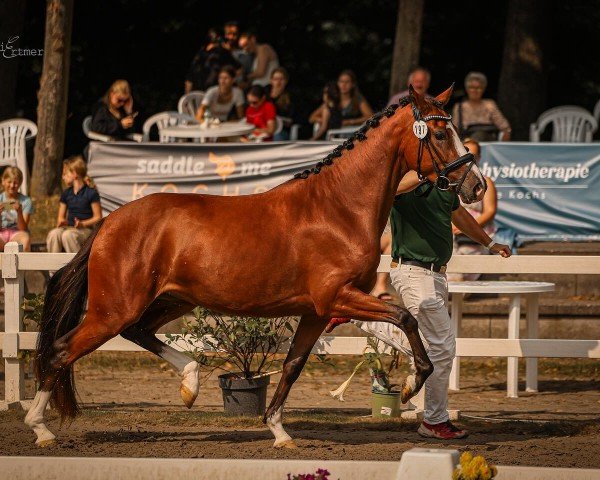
(79, 209)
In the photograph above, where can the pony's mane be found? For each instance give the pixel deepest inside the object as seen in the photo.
(360, 135)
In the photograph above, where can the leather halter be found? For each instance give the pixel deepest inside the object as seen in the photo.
(442, 181)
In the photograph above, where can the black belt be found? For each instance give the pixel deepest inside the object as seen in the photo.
(418, 263)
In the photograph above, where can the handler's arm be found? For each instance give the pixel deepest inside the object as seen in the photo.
(469, 226)
(409, 182)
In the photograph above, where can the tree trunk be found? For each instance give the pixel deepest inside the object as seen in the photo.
(407, 43)
(52, 99)
(12, 13)
(522, 86)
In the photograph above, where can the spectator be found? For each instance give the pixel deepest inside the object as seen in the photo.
(280, 97)
(479, 118)
(355, 109)
(419, 78)
(16, 210)
(265, 59)
(231, 32)
(483, 212)
(260, 113)
(223, 101)
(114, 114)
(331, 113)
(79, 209)
(208, 62)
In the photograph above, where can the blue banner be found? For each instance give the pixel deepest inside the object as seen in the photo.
(546, 191)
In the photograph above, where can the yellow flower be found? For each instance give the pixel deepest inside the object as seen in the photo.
(494, 470)
(469, 472)
(456, 474)
(485, 473)
(466, 458)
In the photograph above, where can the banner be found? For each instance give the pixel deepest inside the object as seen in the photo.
(546, 191)
(125, 171)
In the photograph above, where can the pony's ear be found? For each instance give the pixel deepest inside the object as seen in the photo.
(416, 98)
(445, 97)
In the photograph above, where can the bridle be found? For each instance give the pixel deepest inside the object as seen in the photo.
(422, 132)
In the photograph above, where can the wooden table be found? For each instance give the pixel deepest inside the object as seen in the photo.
(514, 290)
(227, 129)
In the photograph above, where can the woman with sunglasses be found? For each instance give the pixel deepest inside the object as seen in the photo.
(261, 113)
(114, 115)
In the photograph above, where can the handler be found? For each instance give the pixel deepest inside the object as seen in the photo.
(421, 247)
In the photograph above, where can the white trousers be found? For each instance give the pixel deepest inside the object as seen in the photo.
(66, 239)
(425, 295)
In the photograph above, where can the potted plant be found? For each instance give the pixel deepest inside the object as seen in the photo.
(243, 346)
(385, 402)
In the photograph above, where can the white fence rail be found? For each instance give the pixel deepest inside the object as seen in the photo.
(14, 340)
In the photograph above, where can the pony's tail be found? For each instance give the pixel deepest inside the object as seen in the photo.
(64, 304)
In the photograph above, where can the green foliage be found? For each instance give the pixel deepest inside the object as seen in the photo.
(379, 376)
(33, 306)
(246, 342)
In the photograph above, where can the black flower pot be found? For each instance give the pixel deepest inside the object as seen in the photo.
(244, 396)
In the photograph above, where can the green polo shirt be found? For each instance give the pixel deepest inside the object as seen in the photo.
(422, 226)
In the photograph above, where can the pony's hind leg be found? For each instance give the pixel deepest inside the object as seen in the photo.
(352, 303)
(308, 331)
(143, 332)
(83, 339)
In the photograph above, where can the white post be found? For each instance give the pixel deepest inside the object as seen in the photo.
(456, 313)
(13, 324)
(532, 332)
(512, 373)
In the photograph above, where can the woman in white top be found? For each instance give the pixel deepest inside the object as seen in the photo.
(483, 211)
(221, 99)
(265, 59)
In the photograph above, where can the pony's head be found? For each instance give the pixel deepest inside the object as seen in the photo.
(434, 149)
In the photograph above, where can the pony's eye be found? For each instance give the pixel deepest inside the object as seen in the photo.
(440, 135)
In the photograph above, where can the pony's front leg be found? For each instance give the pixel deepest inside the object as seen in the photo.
(355, 304)
(309, 330)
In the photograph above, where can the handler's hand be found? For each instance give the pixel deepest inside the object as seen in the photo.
(500, 249)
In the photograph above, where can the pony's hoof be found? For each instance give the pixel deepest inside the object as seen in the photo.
(286, 444)
(189, 385)
(187, 396)
(408, 389)
(46, 443)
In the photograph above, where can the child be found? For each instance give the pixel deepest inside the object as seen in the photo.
(79, 209)
(331, 113)
(16, 210)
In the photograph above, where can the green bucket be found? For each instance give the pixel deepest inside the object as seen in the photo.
(385, 405)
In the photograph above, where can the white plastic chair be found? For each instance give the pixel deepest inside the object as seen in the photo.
(597, 112)
(165, 119)
(340, 133)
(278, 125)
(294, 131)
(13, 135)
(87, 130)
(570, 124)
(190, 102)
(294, 127)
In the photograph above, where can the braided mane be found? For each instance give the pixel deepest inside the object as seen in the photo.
(360, 135)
